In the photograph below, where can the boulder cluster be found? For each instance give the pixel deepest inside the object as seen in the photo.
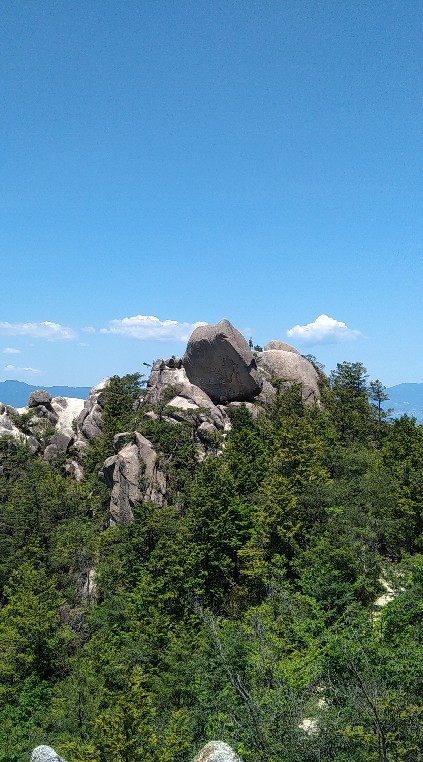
(218, 370)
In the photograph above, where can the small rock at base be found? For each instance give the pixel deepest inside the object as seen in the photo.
(45, 754)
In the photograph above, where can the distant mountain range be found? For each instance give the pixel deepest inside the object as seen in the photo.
(16, 393)
(406, 398)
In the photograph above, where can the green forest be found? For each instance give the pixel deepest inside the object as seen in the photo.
(248, 609)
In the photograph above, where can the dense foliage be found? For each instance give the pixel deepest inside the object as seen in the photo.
(243, 610)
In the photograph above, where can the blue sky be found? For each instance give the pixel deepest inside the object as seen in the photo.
(190, 160)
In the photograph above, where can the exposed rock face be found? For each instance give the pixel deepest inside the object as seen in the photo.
(59, 445)
(45, 754)
(172, 383)
(134, 477)
(89, 423)
(6, 421)
(290, 366)
(67, 410)
(217, 751)
(218, 360)
(39, 404)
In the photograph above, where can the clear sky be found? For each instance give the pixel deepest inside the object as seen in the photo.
(191, 160)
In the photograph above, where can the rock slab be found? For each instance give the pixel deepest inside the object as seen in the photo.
(218, 361)
(217, 751)
(45, 754)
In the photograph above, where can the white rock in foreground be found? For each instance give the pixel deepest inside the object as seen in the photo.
(45, 754)
(217, 751)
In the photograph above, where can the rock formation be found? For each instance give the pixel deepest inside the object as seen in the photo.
(217, 751)
(169, 383)
(218, 360)
(134, 476)
(89, 423)
(285, 364)
(45, 754)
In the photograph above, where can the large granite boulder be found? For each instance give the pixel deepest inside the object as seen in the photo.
(288, 366)
(219, 361)
(45, 754)
(39, 397)
(59, 445)
(134, 476)
(280, 345)
(217, 751)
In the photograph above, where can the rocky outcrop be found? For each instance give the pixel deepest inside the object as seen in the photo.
(39, 397)
(217, 751)
(134, 476)
(45, 754)
(68, 410)
(59, 445)
(169, 383)
(288, 366)
(44, 415)
(89, 422)
(218, 361)
(7, 421)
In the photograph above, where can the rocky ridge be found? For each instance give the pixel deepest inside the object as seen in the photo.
(217, 370)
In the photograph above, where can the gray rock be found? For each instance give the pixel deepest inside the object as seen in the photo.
(280, 345)
(73, 468)
(39, 397)
(172, 385)
(134, 476)
(90, 420)
(217, 751)
(290, 367)
(45, 754)
(33, 444)
(219, 362)
(58, 446)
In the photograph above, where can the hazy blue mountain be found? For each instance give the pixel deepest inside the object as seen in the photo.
(16, 393)
(406, 398)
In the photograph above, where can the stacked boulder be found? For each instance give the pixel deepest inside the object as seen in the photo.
(218, 369)
(282, 362)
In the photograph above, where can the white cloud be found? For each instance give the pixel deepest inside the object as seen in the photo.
(11, 351)
(45, 330)
(88, 329)
(324, 330)
(148, 327)
(21, 370)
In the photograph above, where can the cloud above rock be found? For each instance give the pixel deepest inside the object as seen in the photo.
(324, 330)
(150, 328)
(44, 330)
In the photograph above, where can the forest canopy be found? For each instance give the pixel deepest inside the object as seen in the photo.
(275, 602)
